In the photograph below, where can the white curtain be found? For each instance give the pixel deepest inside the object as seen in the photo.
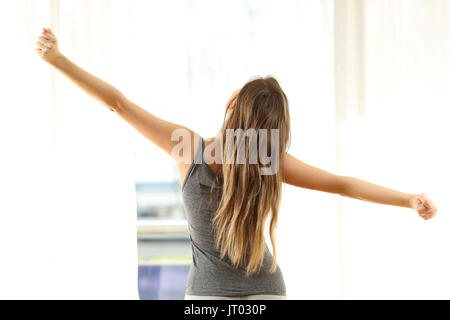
(367, 83)
(393, 131)
(67, 209)
(371, 101)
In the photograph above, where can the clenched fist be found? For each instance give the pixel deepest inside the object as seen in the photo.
(47, 46)
(424, 206)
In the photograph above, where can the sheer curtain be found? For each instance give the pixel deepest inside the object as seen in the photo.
(393, 67)
(67, 214)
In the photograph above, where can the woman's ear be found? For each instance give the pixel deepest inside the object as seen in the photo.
(233, 104)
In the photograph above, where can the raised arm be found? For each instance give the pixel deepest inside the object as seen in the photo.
(300, 174)
(155, 129)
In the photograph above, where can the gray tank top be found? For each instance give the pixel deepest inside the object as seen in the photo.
(208, 274)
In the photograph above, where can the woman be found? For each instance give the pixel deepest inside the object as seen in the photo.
(229, 187)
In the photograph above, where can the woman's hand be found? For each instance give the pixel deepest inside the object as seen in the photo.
(47, 46)
(424, 207)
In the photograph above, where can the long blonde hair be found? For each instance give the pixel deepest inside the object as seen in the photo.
(247, 197)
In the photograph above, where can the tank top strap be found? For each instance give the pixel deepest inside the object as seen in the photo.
(198, 157)
(205, 176)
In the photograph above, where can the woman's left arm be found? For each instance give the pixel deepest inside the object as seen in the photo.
(363, 190)
(300, 174)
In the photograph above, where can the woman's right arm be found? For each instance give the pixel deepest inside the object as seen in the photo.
(155, 129)
(47, 48)
(300, 174)
(95, 87)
